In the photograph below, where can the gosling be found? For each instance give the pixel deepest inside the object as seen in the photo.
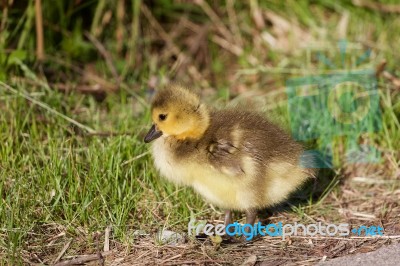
(236, 159)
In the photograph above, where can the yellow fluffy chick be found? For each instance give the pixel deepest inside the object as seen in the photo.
(235, 159)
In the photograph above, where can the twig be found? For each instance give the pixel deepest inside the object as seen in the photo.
(135, 158)
(171, 258)
(39, 30)
(380, 68)
(380, 71)
(48, 108)
(107, 239)
(99, 255)
(395, 80)
(56, 236)
(343, 25)
(366, 180)
(120, 29)
(110, 134)
(66, 246)
(216, 20)
(174, 48)
(386, 8)
(30, 262)
(257, 15)
(193, 262)
(233, 22)
(231, 47)
(83, 259)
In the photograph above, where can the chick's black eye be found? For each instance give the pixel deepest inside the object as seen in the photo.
(162, 117)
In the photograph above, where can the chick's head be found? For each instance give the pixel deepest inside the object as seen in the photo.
(177, 112)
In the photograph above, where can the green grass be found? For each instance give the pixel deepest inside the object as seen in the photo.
(51, 175)
(57, 175)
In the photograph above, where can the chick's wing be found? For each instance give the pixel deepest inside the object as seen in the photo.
(225, 157)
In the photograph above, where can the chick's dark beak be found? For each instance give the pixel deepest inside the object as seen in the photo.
(152, 134)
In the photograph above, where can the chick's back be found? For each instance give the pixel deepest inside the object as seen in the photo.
(251, 134)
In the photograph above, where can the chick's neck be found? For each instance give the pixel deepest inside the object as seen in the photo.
(200, 125)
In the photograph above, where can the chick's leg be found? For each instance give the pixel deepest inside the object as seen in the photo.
(251, 216)
(228, 220)
(250, 219)
(228, 217)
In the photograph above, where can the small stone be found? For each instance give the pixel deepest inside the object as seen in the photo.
(171, 238)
